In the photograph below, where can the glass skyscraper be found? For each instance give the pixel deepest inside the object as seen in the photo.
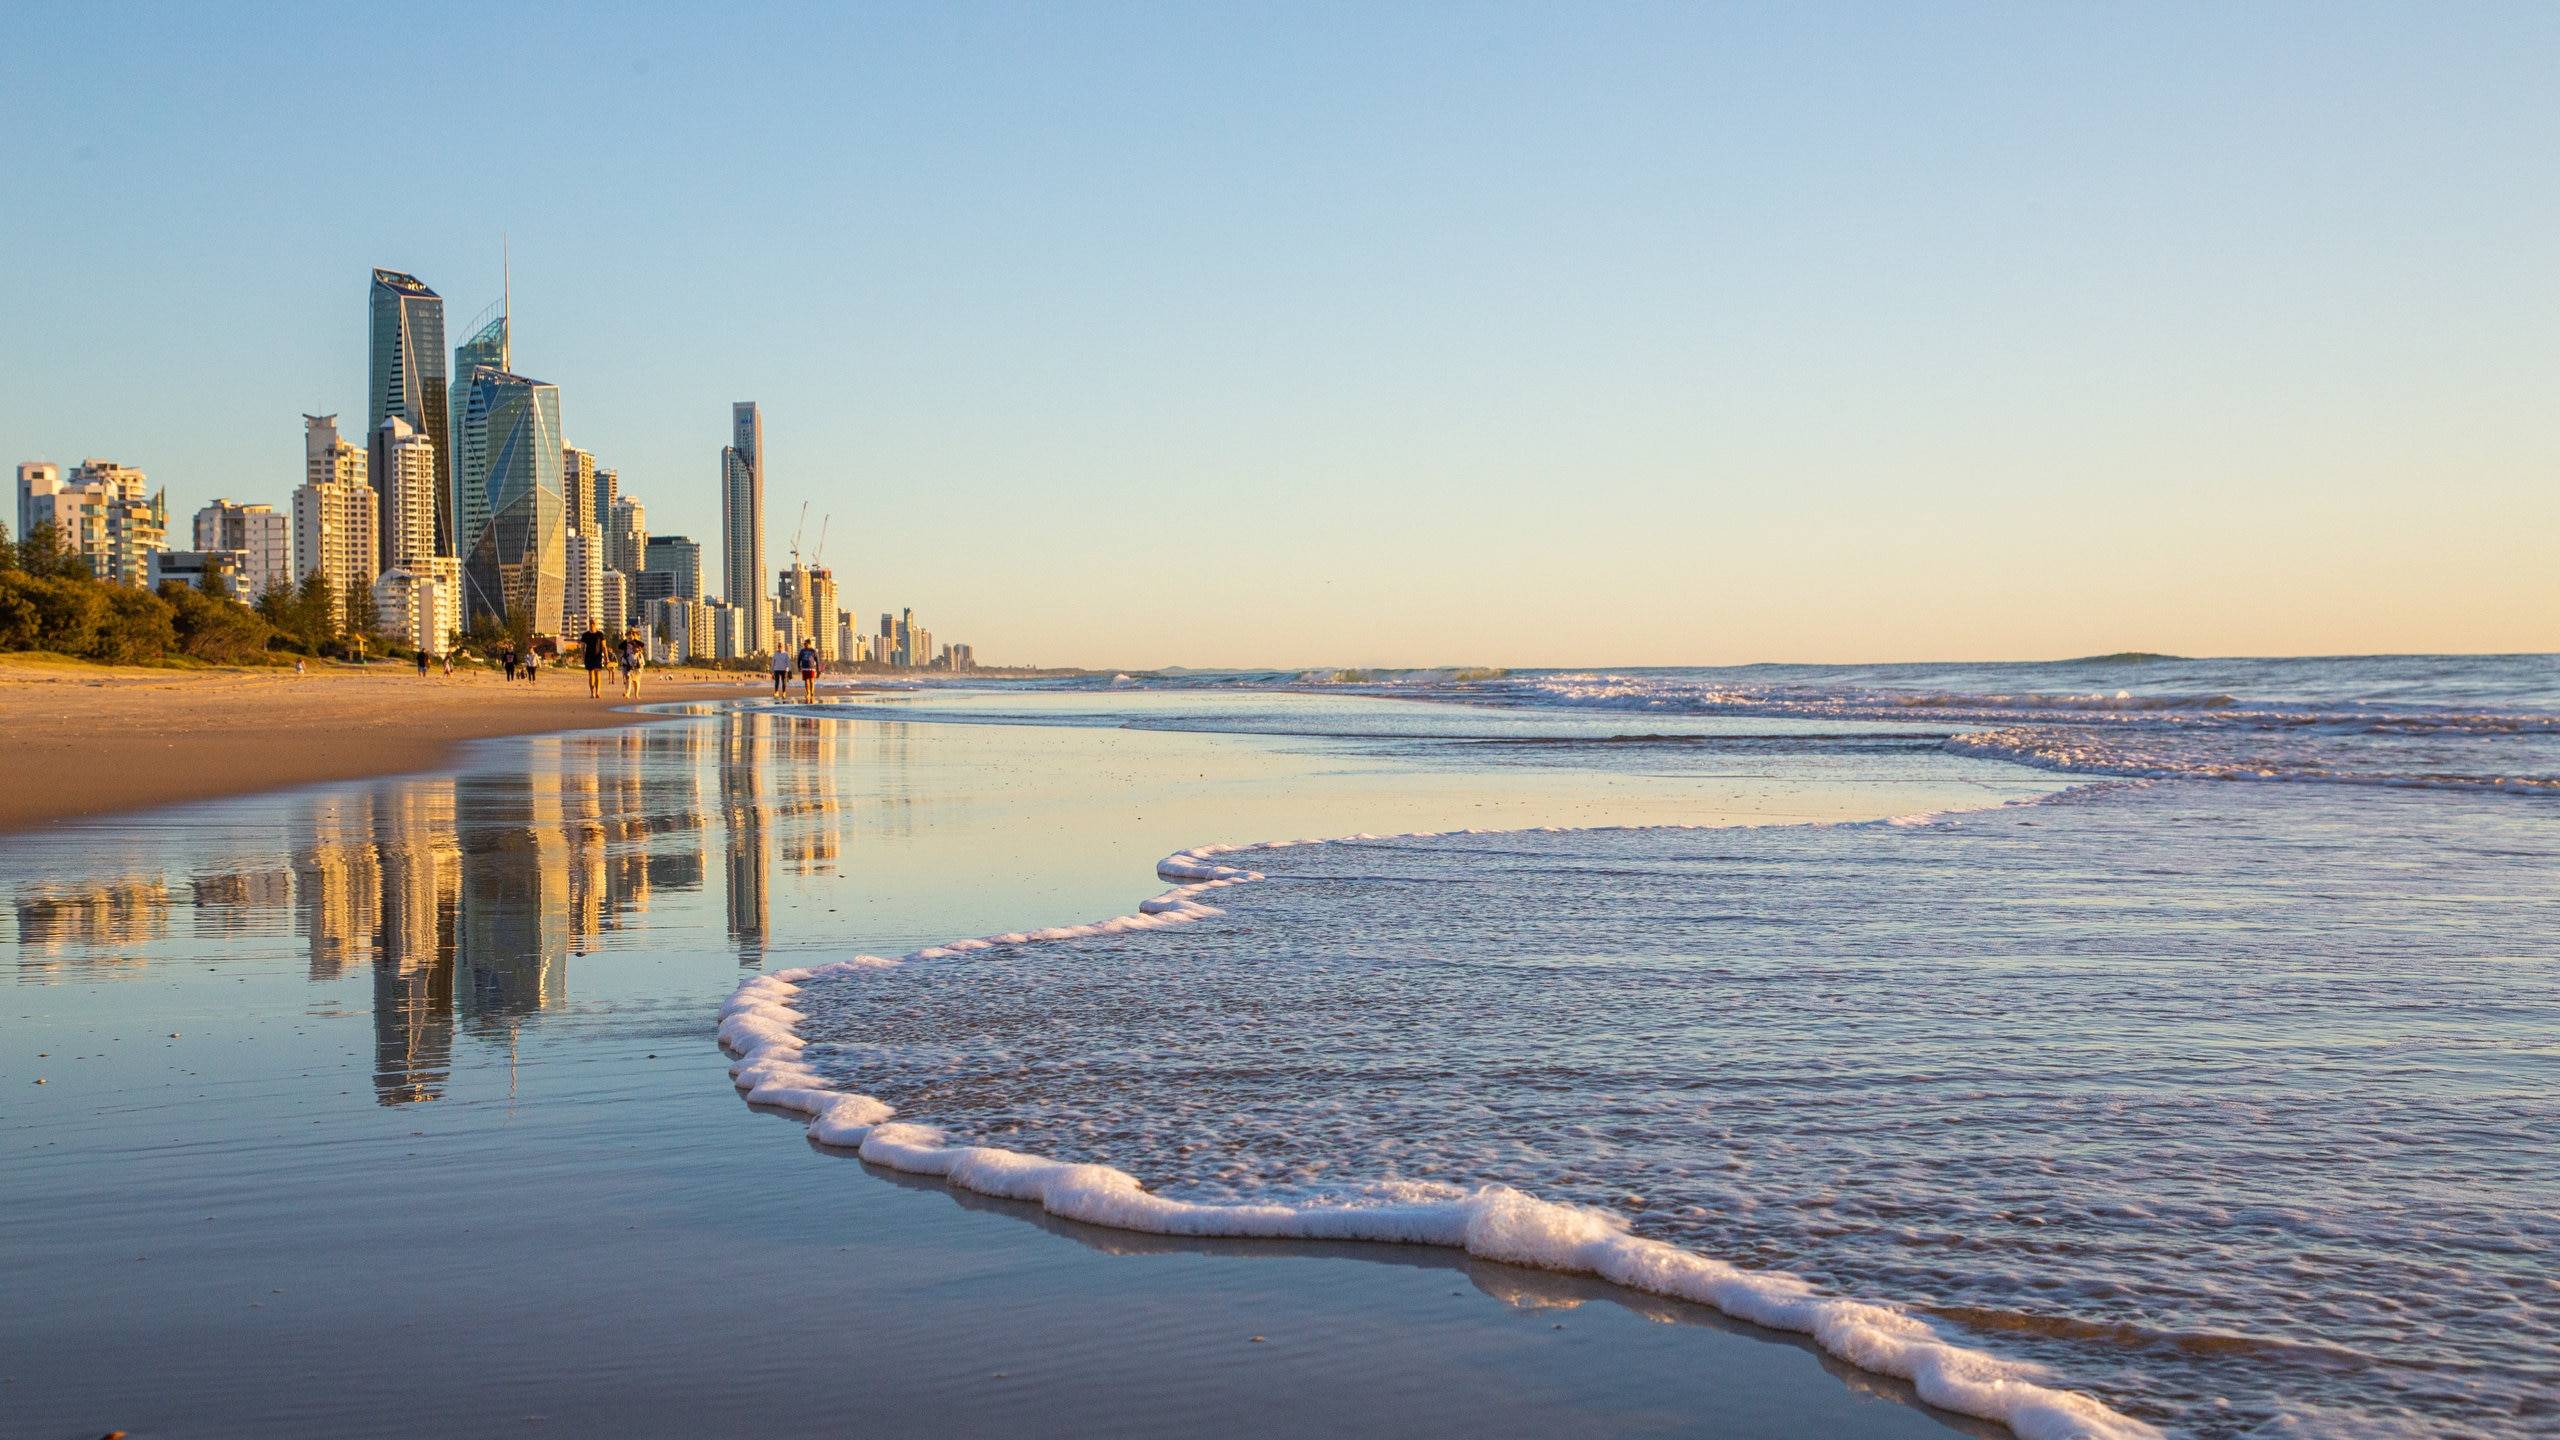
(515, 565)
(486, 349)
(742, 517)
(409, 379)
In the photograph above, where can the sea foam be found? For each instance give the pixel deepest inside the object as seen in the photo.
(762, 1028)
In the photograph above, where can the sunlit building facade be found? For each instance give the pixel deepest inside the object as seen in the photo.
(515, 564)
(742, 509)
(409, 380)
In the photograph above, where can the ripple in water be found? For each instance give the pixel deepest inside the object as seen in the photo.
(2230, 1103)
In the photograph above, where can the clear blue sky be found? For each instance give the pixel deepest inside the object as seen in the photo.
(1366, 334)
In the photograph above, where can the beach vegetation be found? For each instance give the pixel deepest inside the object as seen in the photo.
(213, 629)
(50, 604)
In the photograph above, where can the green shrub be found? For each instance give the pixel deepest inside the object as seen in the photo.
(134, 627)
(213, 629)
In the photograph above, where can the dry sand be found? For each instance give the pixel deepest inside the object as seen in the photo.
(85, 740)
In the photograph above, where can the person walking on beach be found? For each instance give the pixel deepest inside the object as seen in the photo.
(809, 672)
(532, 664)
(422, 664)
(781, 671)
(635, 658)
(591, 650)
(507, 657)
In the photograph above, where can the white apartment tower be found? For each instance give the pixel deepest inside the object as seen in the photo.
(335, 514)
(401, 465)
(256, 531)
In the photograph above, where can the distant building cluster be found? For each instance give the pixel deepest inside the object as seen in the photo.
(460, 508)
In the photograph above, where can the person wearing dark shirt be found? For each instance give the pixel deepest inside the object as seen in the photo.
(809, 671)
(591, 651)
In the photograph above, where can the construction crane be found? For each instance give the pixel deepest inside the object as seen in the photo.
(818, 556)
(795, 534)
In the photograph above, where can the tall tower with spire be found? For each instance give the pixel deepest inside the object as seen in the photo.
(742, 520)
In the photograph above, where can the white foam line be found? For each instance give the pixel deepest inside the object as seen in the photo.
(761, 1028)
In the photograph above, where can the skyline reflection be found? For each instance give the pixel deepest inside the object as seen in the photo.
(464, 897)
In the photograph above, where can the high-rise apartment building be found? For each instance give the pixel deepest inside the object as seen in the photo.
(515, 562)
(806, 595)
(37, 479)
(258, 532)
(680, 558)
(409, 379)
(102, 512)
(578, 491)
(606, 489)
(742, 509)
(626, 534)
(334, 516)
(619, 613)
(401, 462)
(583, 589)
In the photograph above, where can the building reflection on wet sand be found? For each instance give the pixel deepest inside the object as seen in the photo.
(467, 895)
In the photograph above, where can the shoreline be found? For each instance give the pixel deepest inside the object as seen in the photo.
(532, 1088)
(760, 1032)
(110, 740)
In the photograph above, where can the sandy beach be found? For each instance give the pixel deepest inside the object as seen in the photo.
(117, 738)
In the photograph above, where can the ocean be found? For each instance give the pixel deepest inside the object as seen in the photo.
(2200, 1071)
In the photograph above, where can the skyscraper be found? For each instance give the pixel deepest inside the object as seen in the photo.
(578, 490)
(599, 507)
(626, 537)
(680, 558)
(409, 378)
(742, 512)
(515, 565)
(487, 349)
(402, 466)
(334, 514)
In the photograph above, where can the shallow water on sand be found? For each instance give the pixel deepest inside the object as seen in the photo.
(2233, 1104)
(390, 1108)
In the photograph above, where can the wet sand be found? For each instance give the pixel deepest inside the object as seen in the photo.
(110, 739)
(392, 1108)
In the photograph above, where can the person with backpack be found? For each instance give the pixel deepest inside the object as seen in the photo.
(809, 672)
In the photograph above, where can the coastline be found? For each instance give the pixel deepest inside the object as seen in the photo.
(527, 1076)
(111, 739)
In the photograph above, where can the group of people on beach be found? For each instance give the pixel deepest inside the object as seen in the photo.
(807, 661)
(629, 654)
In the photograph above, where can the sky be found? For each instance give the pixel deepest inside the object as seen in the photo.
(1374, 334)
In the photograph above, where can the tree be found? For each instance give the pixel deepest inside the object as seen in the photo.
(211, 628)
(362, 617)
(43, 553)
(315, 610)
(133, 626)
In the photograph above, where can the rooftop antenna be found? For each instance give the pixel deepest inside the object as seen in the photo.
(506, 304)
